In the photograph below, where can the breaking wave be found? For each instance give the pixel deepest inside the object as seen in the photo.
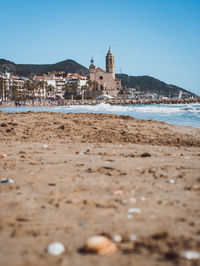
(179, 114)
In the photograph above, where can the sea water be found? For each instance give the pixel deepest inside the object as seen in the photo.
(178, 114)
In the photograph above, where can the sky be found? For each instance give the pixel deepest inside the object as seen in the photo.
(159, 38)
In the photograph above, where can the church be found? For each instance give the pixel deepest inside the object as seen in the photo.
(105, 81)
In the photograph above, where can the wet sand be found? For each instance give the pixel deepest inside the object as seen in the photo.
(78, 175)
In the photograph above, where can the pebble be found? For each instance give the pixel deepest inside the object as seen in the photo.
(7, 180)
(132, 238)
(186, 158)
(132, 200)
(118, 192)
(134, 210)
(83, 224)
(44, 146)
(55, 248)
(142, 198)
(129, 216)
(191, 255)
(117, 238)
(124, 201)
(171, 181)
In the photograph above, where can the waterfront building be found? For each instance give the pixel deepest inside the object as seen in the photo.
(105, 81)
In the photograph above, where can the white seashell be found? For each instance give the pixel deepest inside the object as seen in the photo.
(134, 210)
(55, 248)
(7, 180)
(171, 181)
(132, 237)
(187, 158)
(117, 238)
(44, 146)
(142, 198)
(191, 255)
(101, 245)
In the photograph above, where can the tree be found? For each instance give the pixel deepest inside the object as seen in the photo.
(70, 89)
(14, 91)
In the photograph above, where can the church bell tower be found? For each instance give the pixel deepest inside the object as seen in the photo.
(110, 63)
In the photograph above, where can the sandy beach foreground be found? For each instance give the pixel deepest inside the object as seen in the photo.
(79, 175)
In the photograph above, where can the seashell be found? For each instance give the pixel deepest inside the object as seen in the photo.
(7, 180)
(191, 255)
(3, 155)
(101, 245)
(44, 146)
(55, 248)
(134, 210)
(171, 181)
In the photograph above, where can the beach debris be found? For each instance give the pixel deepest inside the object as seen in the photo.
(187, 158)
(171, 181)
(100, 245)
(3, 155)
(132, 200)
(44, 146)
(191, 255)
(7, 180)
(132, 237)
(129, 216)
(134, 210)
(117, 238)
(118, 192)
(55, 248)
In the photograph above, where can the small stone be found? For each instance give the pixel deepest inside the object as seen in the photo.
(117, 238)
(55, 248)
(134, 210)
(132, 200)
(7, 180)
(191, 255)
(142, 198)
(186, 158)
(124, 201)
(118, 192)
(132, 237)
(83, 224)
(129, 216)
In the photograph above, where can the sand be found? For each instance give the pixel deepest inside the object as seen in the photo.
(78, 175)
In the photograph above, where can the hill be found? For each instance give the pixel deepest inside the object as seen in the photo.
(31, 69)
(142, 83)
(152, 85)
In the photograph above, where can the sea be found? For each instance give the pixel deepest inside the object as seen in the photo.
(177, 114)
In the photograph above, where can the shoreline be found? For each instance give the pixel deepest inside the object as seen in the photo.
(108, 101)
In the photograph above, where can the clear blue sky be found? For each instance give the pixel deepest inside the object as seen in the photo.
(160, 38)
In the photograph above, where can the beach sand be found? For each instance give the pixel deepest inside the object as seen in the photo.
(79, 175)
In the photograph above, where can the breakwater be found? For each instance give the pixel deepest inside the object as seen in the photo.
(108, 101)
